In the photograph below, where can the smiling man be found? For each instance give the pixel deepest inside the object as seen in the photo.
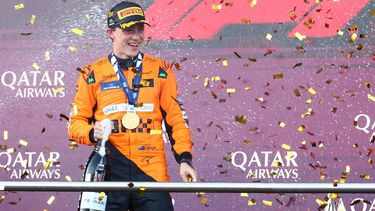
(136, 91)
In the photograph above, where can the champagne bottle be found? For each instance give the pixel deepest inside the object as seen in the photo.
(96, 170)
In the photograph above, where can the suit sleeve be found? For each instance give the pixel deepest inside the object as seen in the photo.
(175, 118)
(83, 107)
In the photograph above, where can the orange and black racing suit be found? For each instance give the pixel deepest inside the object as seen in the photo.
(135, 154)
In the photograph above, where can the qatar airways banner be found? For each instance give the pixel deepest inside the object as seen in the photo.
(275, 91)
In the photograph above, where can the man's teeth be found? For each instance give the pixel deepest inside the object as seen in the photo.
(134, 45)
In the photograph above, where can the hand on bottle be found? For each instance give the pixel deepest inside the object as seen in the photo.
(186, 172)
(98, 131)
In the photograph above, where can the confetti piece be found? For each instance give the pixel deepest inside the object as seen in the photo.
(205, 83)
(259, 99)
(282, 124)
(156, 132)
(293, 14)
(246, 20)
(18, 6)
(68, 178)
(268, 36)
(244, 195)
(365, 176)
(77, 31)
(58, 90)
(371, 97)
(204, 200)
(301, 128)
(297, 93)
(47, 56)
(278, 76)
(36, 66)
(5, 135)
(300, 36)
(2, 197)
(231, 90)
(354, 37)
(215, 78)
(309, 100)
(32, 19)
(267, 203)
(22, 143)
(50, 200)
(216, 7)
(225, 62)
(73, 49)
(101, 196)
(228, 4)
(10, 150)
(73, 145)
(311, 91)
(241, 119)
(253, 3)
(247, 88)
(286, 146)
(339, 32)
(47, 164)
(321, 203)
(251, 202)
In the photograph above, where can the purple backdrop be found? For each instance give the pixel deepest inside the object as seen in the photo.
(331, 76)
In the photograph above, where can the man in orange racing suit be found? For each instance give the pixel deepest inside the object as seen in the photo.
(128, 82)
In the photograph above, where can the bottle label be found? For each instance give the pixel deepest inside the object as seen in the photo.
(91, 200)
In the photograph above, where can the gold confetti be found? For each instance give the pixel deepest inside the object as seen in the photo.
(268, 36)
(286, 146)
(101, 196)
(244, 195)
(246, 20)
(241, 119)
(247, 88)
(339, 32)
(225, 62)
(354, 37)
(311, 91)
(47, 56)
(47, 164)
(215, 78)
(253, 3)
(73, 49)
(259, 99)
(251, 202)
(297, 93)
(321, 203)
(204, 200)
(321, 101)
(347, 169)
(22, 143)
(2, 199)
(365, 176)
(50, 200)
(371, 97)
(278, 76)
(58, 90)
(32, 19)
(77, 31)
(36, 66)
(267, 203)
(282, 124)
(18, 6)
(333, 195)
(231, 90)
(68, 178)
(300, 36)
(5, 135)
(73, 145)
(301, 128)
(216, 7)
(290, 155)
(142, 189)
(309, 100)
(156, 132)
(205, 83)
(10, 150)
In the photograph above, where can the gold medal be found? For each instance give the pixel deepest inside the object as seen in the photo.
(130, 120)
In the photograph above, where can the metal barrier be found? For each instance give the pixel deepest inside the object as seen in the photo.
(189, 187)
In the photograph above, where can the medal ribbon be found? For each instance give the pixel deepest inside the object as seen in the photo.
(132, 95)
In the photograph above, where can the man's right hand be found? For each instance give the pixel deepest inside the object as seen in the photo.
(98, 131)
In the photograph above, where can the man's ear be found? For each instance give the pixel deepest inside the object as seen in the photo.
(110, 33)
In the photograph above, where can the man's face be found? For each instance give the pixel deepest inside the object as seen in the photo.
(127, 42)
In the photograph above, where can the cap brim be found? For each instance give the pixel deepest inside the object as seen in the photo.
(131, 23)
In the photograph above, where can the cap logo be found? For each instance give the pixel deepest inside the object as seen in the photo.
(129, 12)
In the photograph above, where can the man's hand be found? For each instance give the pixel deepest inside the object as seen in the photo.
(186, 172)
(98, 131)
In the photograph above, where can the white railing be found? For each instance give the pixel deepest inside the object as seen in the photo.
(218, 187)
